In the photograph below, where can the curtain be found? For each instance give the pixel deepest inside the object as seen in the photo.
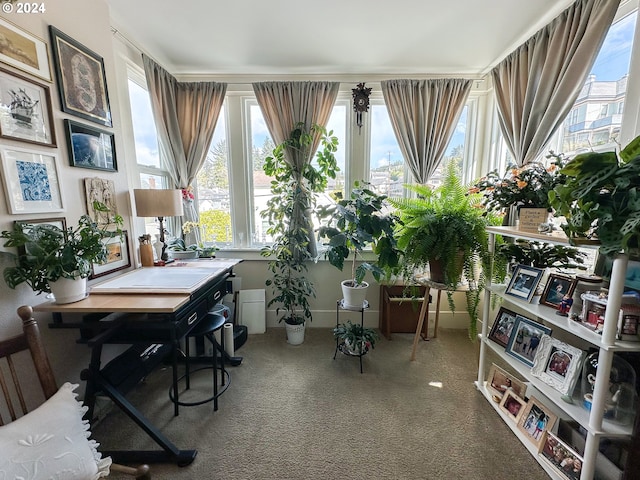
(185, 114)
(284, 105)
(537, 85)
(423, 114)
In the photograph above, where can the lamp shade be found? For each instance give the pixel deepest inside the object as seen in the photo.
(158, 202)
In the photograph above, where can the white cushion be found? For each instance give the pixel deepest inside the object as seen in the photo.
(51, 442)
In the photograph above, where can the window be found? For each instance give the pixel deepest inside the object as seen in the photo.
(213, 194)
(387, 170)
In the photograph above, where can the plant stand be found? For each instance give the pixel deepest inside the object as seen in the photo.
(340, 346)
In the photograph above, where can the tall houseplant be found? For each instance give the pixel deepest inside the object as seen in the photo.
(293, 195)
(355, 223)
(600, 199)
(444, 229)
(48, 253)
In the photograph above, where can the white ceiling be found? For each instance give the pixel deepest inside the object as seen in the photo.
(304, 37)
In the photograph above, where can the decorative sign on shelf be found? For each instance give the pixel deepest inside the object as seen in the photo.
(531, 218)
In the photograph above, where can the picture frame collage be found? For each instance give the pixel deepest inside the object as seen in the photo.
(31, 172)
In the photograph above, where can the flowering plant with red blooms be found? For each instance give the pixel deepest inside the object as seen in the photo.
(187, 194)
(527, 186)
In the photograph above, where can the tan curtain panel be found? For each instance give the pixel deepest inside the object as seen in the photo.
(185, 114)
(423, 114)
(284, 105)
(537, 85)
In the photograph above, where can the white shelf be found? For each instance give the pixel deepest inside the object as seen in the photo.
(548, 315)
(541, 390)
(533, 450)
(556, 237)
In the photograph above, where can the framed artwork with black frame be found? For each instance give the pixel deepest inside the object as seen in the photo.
(90, 147)
(557, 287)
(25, 110)
(524, 282)
(24, 51)
(59, 222)
(557, 364)
(118, 256)
(81, 79)
(502, 326)
(525, 339)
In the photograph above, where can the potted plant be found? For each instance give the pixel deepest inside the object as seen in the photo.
(180, 251)
(50, 258)
(444, 229)
(355, 223)
(357, 339)
(600, 199)
(293, 195)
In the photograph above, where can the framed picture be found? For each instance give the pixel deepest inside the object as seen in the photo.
(90, 147)
(25, 110)
(512, 405)
(525, 339)
(524, 282)
(499, 381)
(103, 191)
(502, 326)
(604, 266)
(31, 181)
(118, 256)
(81, 79)
(535, 420)
(59, 222)
(561, 457)
(557, 287)
(557, 364)
(24, 51)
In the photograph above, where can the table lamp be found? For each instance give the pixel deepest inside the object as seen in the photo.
(159, 203)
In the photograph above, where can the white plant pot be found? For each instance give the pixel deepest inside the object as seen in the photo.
(69, 290)
(354, 296)
(295, 333)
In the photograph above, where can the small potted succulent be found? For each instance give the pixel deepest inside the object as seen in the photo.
(357, 339)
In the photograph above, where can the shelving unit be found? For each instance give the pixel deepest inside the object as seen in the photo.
(592, 421)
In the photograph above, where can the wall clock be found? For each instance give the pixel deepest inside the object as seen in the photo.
(360, 101)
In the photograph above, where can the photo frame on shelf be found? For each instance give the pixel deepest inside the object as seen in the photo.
(59, 222)
(90, 147)
(25, 110)
(524, 281)
(103, 191)
(561, 457)
(557, 364)
(512, 405)
(118, 255)
(557, 287)
(536, 419)
(604, 266)
(24, 51)
(499, 381)
(81, 79)
(31, 181)
(525, 339)
(502, 326)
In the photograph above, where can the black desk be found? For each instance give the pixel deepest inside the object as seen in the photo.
(149, 322)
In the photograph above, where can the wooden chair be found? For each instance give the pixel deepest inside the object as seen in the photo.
(30, 340)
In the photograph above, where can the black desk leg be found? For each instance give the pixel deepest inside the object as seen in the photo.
(90, 389)
(169, 453)
(174, 360)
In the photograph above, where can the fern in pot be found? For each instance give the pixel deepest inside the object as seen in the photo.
(50, 257)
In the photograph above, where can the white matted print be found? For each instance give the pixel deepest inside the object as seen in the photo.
(31, 180)
(557, 364)
(23, 50)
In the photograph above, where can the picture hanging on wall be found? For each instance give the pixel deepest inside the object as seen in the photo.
(118, 256)
(81, 79)
(25, 110)
(103, 191)
(31, 181)
(24, 51)
(27, 225)
(90, 147)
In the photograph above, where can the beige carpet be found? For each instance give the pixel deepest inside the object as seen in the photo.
(295, 413)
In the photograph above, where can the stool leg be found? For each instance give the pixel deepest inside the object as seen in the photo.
(214, 361)
(222, 357)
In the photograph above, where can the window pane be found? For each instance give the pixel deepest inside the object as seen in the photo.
(386, 164)
(261, 147)
(213, 195)
(455, 149)
(595, 120)
(144, 129)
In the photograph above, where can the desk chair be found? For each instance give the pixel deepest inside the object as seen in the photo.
(211, 323)
(51, 441)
